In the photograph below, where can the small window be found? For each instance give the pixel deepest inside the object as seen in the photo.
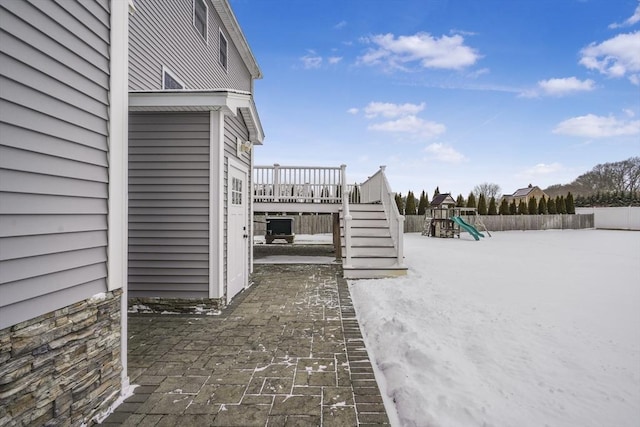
(223, 51)
(170, 81)
(200, 17)
(236, 191)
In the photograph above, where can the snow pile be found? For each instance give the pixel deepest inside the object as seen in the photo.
(524, 328)
(98, 297)
(139, 308)
(125, 393)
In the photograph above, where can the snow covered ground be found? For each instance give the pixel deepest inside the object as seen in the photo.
(519, 329)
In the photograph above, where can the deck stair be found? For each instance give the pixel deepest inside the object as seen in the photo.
(373, 254)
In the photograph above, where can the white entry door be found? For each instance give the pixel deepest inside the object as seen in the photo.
(237, 230)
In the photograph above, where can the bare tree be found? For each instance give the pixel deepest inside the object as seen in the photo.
(609, 177)
(488, 190)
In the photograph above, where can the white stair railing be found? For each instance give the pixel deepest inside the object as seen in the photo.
(377, 190)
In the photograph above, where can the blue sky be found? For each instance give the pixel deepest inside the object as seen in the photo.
(447, 93)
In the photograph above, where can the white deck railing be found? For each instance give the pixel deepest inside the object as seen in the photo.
(299, 184)
(377, 190)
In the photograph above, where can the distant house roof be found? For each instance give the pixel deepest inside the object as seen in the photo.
(444, 198)
(524, 192)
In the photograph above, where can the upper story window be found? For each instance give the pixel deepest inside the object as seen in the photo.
(170, 80)
(200, 17)
(223, 50)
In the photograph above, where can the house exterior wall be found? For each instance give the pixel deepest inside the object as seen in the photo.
(162, 34)
(235, 127)
(61, 358)
(169, 172)
(53, 156)
(535, 192)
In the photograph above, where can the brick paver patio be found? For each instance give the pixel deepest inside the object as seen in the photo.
(287, 352)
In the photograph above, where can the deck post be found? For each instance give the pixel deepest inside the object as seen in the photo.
(337, 245)
(347, 240)
(347, 222)
(276, 182)
(343, 180)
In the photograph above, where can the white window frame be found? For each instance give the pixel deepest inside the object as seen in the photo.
(166, 70)
(221, 37)
(204, 36)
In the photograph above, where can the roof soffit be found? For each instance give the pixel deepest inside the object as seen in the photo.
(228, 102)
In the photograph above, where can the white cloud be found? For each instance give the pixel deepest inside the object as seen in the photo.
(334, 59)
(311, 60)
(543, 173)
(542, 169)
(477, 73)
(615, 57)
(632, 20)
(405, 119)
(353, 110)
(462, 32)
(411, 125)
(391, 52)
(559, 87)
(340, 25)
(592, 126)
(445, 153)
(389, 110)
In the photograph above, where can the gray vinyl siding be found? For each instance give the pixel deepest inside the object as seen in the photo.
(54, 91)
(169, 205)
(162, 33)
(235, 126)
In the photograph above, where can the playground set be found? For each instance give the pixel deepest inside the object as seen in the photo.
(444, 219)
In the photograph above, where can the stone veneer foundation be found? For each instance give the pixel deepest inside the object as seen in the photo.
(62, 368)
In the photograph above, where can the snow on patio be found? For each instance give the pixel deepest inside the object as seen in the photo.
(519, 329)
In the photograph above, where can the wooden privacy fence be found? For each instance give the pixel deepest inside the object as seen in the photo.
(319, 224)
(414, 223)
(302, 224)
